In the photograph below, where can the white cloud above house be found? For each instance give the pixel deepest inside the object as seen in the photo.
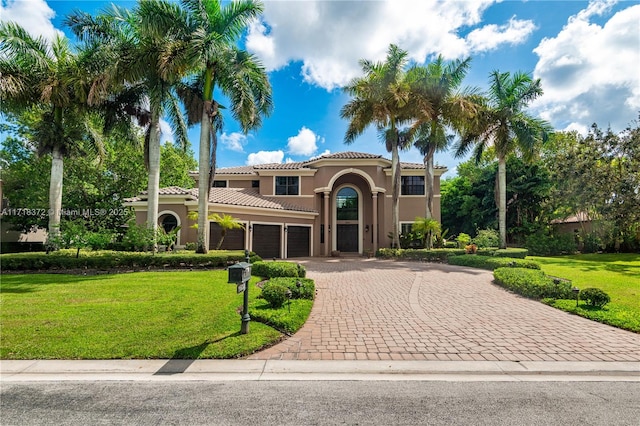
(166, 132)
(589, 72)
(34, 16)
(329, 37)
(234, 141)
(265, 157)
(304, 143)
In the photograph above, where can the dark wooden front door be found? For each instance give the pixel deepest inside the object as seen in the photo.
(266, 241)
(298, 241)
(347, 238)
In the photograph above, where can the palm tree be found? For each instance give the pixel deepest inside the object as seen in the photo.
(438, 85)
(428, 227)
(51, 79)
(504, 124)
(237, 74)
(381, 98)
(145, 63)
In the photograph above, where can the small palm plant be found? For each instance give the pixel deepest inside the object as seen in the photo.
(428, 228)
(225, 221)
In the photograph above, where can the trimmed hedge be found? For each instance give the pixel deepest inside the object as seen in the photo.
(532, 283)
(67, 260)
(595, 297)
(491, 263)
(278, 269)
(435, 255)
(513, 253)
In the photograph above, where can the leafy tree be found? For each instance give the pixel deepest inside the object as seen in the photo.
(50, 78)
(439, 105)
(381, 98)
(145, 60)
(175, 165)
(505, 125)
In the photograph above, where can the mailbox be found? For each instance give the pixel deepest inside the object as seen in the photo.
(239, 273)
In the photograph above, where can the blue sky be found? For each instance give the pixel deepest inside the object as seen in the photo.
(586, 54)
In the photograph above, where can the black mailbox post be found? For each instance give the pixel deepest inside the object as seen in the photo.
(239, 274)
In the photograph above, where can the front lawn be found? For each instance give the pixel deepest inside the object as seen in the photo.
(617, 274)
(126, 316)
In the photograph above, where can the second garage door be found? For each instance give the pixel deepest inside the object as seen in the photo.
(298, 241)
(266, 241)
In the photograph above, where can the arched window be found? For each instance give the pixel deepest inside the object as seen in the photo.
(347, 204)
(169, 223)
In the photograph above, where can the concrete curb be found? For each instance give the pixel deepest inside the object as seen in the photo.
(279, 370)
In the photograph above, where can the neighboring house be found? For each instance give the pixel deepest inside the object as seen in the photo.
(578, 223)
(336, 202)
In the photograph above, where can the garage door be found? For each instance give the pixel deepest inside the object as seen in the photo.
(266, 241)
(234, 240)
(298, 241)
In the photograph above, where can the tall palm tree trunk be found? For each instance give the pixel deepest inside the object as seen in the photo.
(55, 192)
(395, 212)
(502, 200)
(429, 181)
(203, 180)
(153, 187)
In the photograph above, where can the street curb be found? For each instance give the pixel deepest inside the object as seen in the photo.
(279, 370)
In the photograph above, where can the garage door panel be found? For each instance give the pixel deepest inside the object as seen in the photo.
(298, 241)
(234, 240)
(266, 240)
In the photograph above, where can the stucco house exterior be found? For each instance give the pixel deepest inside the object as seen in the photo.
(336, 202)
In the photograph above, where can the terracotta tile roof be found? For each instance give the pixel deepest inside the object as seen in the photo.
(349, 155)
(246, 197)
(279, 166)
(169, 190)
(240, 170)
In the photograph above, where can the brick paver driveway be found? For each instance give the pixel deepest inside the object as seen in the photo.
(378, 310)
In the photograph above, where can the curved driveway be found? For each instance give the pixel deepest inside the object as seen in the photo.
(379, 310)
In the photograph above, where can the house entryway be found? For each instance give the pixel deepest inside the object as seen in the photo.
(347, 238)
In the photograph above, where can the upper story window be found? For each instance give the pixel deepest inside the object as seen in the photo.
(255, 184)
(347, 204)
(219, 183)
(287, 185)
(412, 185)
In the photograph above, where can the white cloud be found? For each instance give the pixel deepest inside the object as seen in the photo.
(330, 37)
(304, 143)
(34, 16)
(491, 36)
(234, 141)
(265, 157)
(166, 132)
(589, 72)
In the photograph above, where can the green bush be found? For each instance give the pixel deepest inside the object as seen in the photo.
(434, 255)
(190, 246)
(463, 239)
(274, 293)
(542, 244)
(487, 238)
(277, 269)
(306, 290)
(592, 243)
(66, 259)
(595, 297)
(532, 283)
(491, 263)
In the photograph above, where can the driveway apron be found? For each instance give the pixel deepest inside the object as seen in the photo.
(374, 309)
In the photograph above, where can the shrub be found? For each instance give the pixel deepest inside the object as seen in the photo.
(435, 255)
(463, 239)
(532, 283)
(306, 290)
(542, 244)
(592, 243)
(276, 269)
(487, 238)
(595, 297)
(274, 293)
(137, 238)
(470, 249)
(491, 263)
(190, 246)
(518, 253)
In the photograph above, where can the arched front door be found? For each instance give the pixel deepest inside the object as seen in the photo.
(347, 220)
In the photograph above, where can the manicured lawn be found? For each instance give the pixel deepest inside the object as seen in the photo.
(617, 274)
(130, 316)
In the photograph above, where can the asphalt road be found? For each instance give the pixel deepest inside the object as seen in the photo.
(320, 403)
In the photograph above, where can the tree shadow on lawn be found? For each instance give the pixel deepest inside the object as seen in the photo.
(183, 358)
(29, 283)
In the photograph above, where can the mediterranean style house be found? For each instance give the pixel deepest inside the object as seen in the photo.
(336, 202)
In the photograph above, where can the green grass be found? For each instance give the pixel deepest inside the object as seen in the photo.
(126, 316)
(616, 274)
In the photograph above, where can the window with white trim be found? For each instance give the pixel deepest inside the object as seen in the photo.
(412, 185)
(287, 185)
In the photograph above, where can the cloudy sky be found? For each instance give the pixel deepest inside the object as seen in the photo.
(585, 52)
